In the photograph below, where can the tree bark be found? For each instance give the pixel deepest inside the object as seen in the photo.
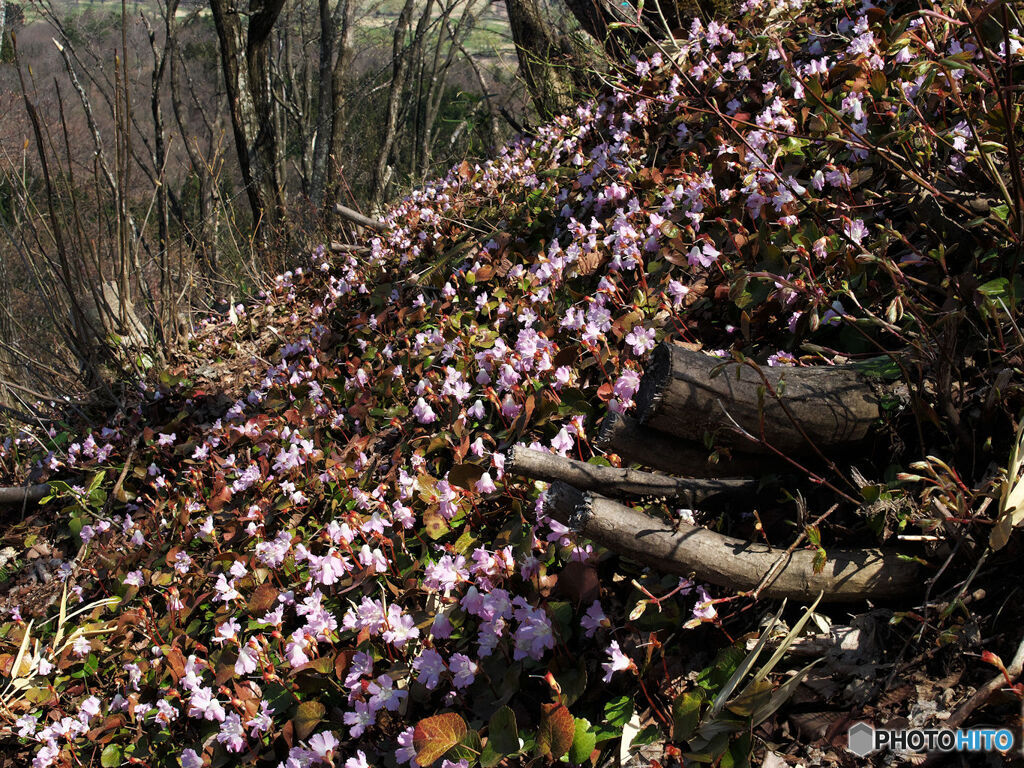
(546, 62)
(399, 73)
(611, 481)
(642, 445)
(689, 394)
(849, 575)
(246, 66)
(325, 116)
(339, 76)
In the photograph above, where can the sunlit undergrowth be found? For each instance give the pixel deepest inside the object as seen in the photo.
(306, 520)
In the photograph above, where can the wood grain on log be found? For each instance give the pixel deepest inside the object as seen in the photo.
(29, 494)
(612, 481)
(689, 394)
(643, 445)
(849, 574)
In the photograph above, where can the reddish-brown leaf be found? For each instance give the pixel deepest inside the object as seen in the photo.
(436, 735)
(263, 598)
(556, 732)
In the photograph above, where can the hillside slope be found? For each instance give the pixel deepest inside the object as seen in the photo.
(302, 543)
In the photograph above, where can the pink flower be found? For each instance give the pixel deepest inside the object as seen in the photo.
(359, 761)
(485, 484)
(384, 695)
(445, 573)
(855, 230)
(359, 720)
(429, 667)
(227, 631)
(562, 442)
(423, 412)
(203, 705)
(232, 735)
(406, 752)
(641, 340)
(618, 661)
(704, 256)
(189, 759)
(247, 658)
(262, 722)
(81, 646)
(463, 669)
(593, 619)
(704, 610)
(323, 745)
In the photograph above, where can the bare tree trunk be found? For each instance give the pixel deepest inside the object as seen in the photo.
(245, 62)
(399, 73)
(335, 56)
(204, 237)
(438, 80)
(546, 63)
(339, 75)
(165, 313)
(6, 324)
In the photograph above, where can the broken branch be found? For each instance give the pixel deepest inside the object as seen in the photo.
(611, 481)
(30, 494)
(354, 217)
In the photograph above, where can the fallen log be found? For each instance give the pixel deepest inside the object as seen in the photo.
(611, 481)
(355, 217)
(652, 448)
(849, 574)
(689, 394)
(30, 494)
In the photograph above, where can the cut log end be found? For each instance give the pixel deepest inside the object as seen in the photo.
(656, 377)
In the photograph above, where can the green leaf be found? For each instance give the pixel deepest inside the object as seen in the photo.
(618, 711)
(648, 735)
(469, 748)
(686, 713)
(753, 697)
(995, 288)
(583, 742)
(111, 756)
(435, 735)
(556, 731)
(820, 559)
(573, 682)
(738, 753)
(502, 732)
